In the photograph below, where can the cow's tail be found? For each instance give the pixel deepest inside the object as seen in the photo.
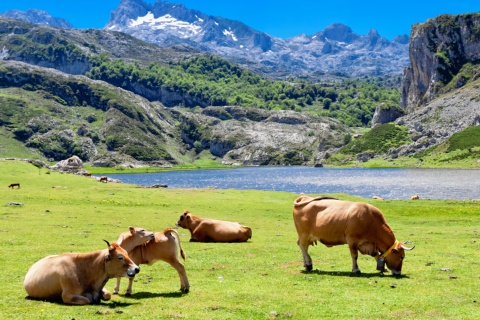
(177, 238)
(303, 200)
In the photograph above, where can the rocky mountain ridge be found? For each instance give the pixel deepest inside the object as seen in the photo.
(37, 17)
(335, 50)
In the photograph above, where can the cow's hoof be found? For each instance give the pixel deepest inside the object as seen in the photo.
(357, 272)
(128, 294)
(309, 267)
(185, 290)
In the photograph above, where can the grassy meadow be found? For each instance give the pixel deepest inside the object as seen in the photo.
(260, 279)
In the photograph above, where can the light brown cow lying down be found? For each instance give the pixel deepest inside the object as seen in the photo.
(359, 225)
(159, 246)
(210, 230)
(78, 278)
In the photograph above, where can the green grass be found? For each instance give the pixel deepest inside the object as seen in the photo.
(260, 279)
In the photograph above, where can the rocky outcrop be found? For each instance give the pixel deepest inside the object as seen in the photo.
(439, 48)
(249, 136)
(71, 165)
(385, 114)
(440, 119)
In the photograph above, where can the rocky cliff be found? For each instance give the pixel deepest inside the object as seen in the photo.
(439, 50)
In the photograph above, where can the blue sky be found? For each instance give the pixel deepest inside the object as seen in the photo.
(279, 18)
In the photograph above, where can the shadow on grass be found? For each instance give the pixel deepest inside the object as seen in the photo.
(105, 303)
(149, 295)
(352, 275)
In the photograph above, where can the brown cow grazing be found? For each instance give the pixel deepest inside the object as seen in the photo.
(103, 179)
(14, 185)
(359, 225)
(210, 230)
(160, 246)
(78, 278)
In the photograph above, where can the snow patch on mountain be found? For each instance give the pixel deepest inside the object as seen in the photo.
(184, 28)
(229, 33)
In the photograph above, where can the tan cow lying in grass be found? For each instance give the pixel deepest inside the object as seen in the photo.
(210, 230)
(359, 225)
(145, 247)
(78, 278)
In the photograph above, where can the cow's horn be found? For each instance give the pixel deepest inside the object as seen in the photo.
(406, 248)
(108, 244)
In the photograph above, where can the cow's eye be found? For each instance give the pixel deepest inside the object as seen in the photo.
(120, 258)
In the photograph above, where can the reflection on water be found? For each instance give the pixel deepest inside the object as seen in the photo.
(385, 183)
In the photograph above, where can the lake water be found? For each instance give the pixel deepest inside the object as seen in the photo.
(386, 183)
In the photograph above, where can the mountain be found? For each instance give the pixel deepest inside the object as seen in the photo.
(37, 17)
(57, 115)
(335, 50)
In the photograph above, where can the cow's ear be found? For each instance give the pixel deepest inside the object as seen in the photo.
(394, 251)
(188, 217)
(108, 257)
(132, 229)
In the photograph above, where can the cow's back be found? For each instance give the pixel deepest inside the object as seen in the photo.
(324, 220)
(43, 278)
(224, 231)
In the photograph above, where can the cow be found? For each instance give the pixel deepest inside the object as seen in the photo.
(14, 185)
(159, 246)
(210, 230)
(103, 179)
(359, 225)
(415, 197)
(78, 278)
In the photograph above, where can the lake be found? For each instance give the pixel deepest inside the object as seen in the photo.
(460, 184)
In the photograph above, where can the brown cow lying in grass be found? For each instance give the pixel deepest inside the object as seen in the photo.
(210, 230)
(160, 246)
(78, 278)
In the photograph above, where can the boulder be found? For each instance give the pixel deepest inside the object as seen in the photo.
(71, 165)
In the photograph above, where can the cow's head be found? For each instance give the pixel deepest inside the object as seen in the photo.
(184, 220)
(118, 263)
(394, 259)
(140, 235)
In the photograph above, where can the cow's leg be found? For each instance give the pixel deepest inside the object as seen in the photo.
(117, 285)
(129, 289)
(354, 254)
(72, 298)
(184, 284)
(71, 292)
(307, 260)
(106, 295)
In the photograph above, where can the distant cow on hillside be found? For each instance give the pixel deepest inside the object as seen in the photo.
(16, 184)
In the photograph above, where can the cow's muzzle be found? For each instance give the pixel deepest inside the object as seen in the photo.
(133, 271)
